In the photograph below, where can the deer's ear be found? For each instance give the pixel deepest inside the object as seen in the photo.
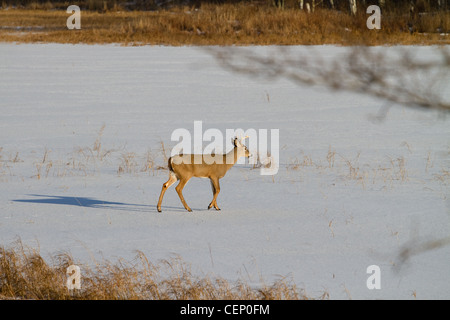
(234, 141)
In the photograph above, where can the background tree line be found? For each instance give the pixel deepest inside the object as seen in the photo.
(351, 6)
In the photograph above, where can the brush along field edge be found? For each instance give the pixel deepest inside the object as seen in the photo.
(225, 24)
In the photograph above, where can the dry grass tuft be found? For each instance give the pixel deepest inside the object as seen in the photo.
(24, 274)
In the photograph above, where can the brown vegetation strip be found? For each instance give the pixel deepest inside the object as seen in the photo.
(226, 24)
(24, 274)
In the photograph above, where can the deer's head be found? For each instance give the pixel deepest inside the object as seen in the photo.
(242, 150)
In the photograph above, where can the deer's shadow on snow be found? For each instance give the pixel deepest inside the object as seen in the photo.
(88, 202)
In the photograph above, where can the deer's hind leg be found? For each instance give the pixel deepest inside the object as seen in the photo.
(179, 189)
(172, 179)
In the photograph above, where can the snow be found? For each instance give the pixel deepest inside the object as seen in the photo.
(350, 192)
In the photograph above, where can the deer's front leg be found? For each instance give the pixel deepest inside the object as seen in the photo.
(216, 189)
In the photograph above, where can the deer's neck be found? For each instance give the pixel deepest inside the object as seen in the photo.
(231, 157)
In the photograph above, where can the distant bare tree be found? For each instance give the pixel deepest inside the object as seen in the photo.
(279, 4)
(352, 6)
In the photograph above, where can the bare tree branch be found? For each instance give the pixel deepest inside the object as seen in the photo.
(398, 75)
(414, 248)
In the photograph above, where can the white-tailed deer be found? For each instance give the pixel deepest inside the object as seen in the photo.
(184, 167)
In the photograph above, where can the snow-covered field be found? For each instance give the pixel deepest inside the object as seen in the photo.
(81, 125)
